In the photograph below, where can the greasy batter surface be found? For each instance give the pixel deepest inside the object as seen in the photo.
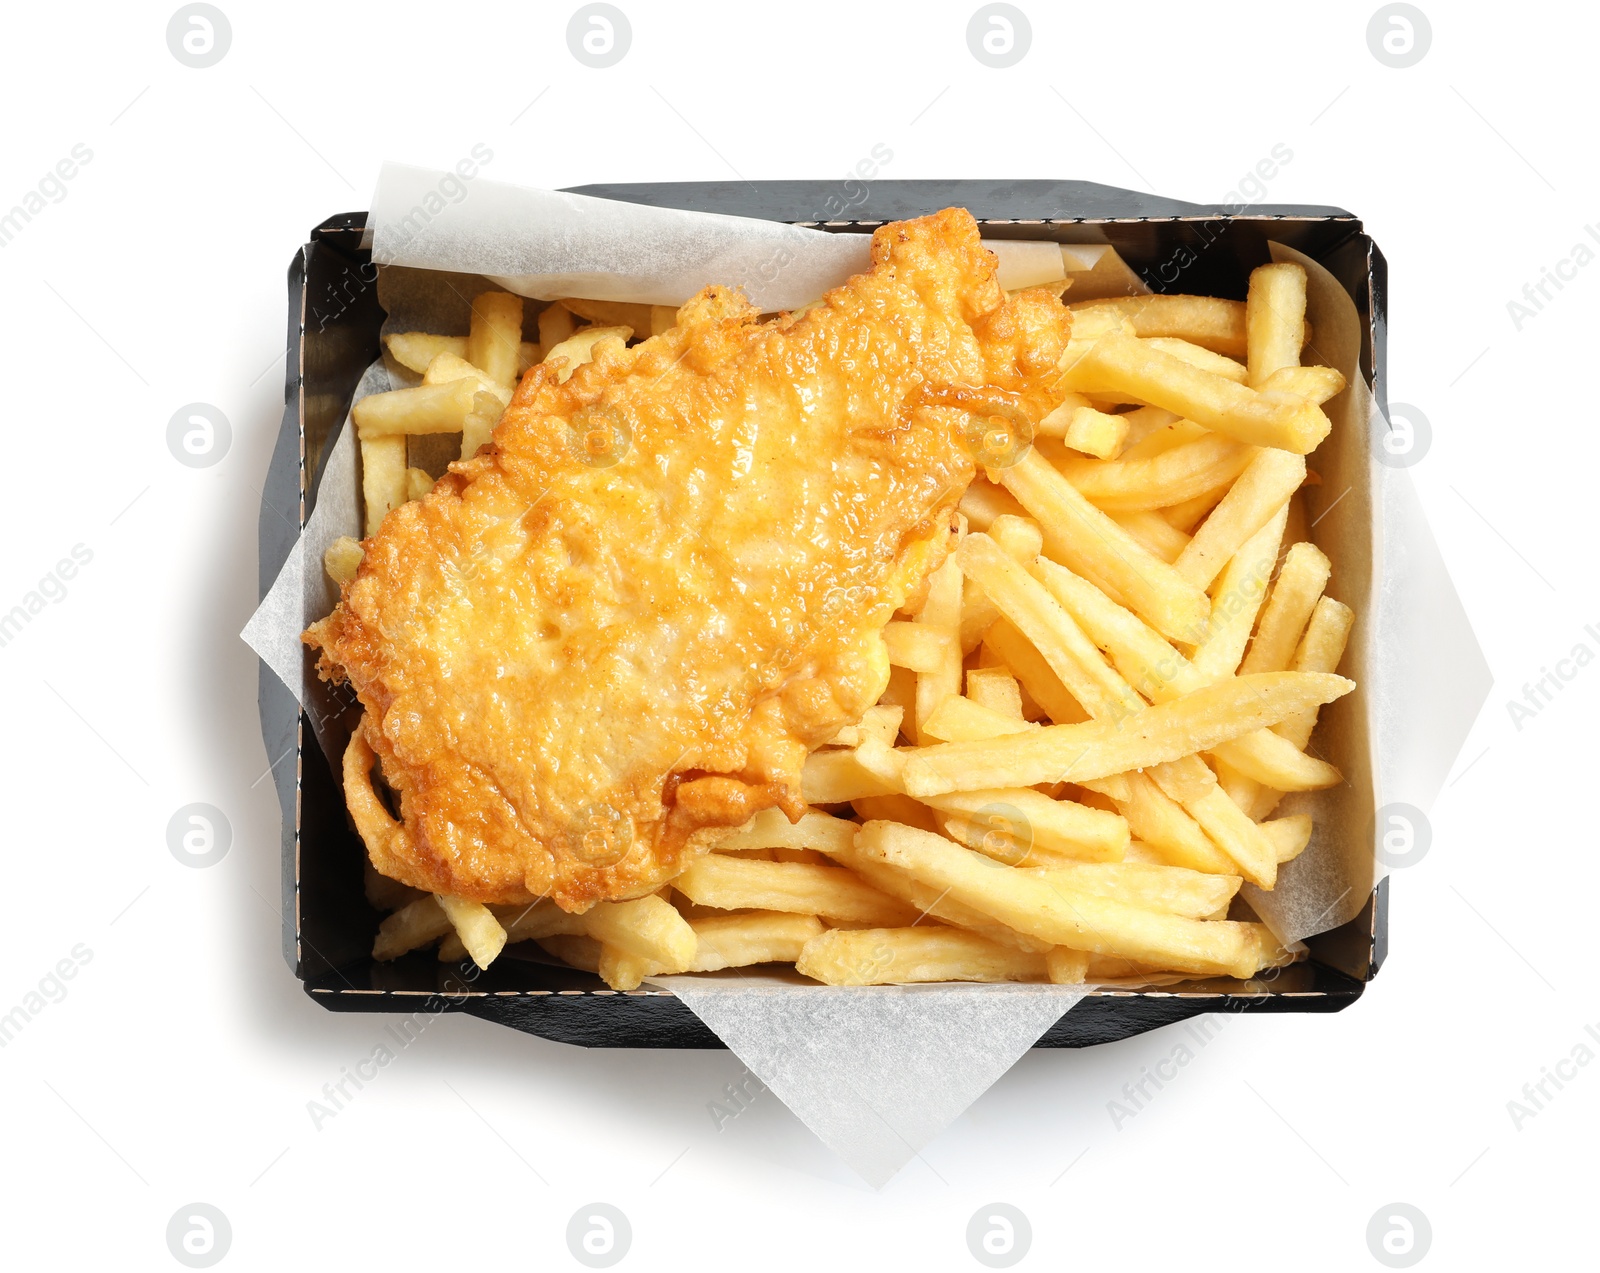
(633, 616)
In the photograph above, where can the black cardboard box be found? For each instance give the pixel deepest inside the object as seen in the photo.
(334, 321)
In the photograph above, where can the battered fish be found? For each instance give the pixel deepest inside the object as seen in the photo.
(630, 619)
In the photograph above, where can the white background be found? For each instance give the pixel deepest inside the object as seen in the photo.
(179, 1065)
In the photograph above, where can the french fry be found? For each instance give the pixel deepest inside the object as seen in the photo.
(978, 615)
(959, 719)
(1199, 356)
(415, 350)
(1186, 779)
(1086, 540)
(1262, 489)
(1289, 835)
(1146, 854)
(1159, 479)
(1053, 632)
(423, 921)
(1274, 761)
(1073, 753)
(1238, 601)
(428, 408)
(581, 952)
(837, 777)
(447, 368)
(616, 313)
(1163, 825)
(488, 404)
(1056, 421)
(1155, 532)
(1066, 967)
(1033, 674)
(983, 501)
(1096, 433)
(996, 689)
(880, 722)
(1191, 783)
(760, 937)
(901, 692)
(342, 559)
(383, 476)
(998, 836)
(883, 763)
(555, 326)
(1314, 384)
(570, 354)
(480, 932)
(1107, 969)
(1142, 423)
(1209, 321)
(1020, 536)
(621, 970)
(539, 920)
(920, 647)
(1275, 319)
(1298, 528)
(893, 809)
(1023, 539)
(452, 950)
(1159, 672)
(887, 956)
(926, 901)
(1013, 824)
(1295, 593)
(1088, 327)
(722, 941)
(418, 483)
(770, 829)
(730, 883)
(1191, 512)
(1320, 650)
(529, 354)
(1126, 365)
(1152, 430)
(478, 427)
(1063, 917)
(940, 613)
(1172, 889)
(646, 926)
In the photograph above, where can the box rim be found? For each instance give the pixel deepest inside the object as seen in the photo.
(345, 223)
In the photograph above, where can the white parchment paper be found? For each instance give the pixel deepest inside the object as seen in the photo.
(877, 1072)
(547, 244)
(1421, 677)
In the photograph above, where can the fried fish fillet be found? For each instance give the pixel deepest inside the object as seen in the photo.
(631, 617)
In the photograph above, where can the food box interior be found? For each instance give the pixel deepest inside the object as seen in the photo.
(334, 324)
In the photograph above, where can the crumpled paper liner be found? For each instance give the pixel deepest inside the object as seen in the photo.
(548, 244)
(302, 593)
(1421, 677)
(877, 1072)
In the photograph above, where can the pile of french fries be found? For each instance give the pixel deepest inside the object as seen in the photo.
(1091, 717)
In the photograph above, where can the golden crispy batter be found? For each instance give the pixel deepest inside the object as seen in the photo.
(632, 616)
